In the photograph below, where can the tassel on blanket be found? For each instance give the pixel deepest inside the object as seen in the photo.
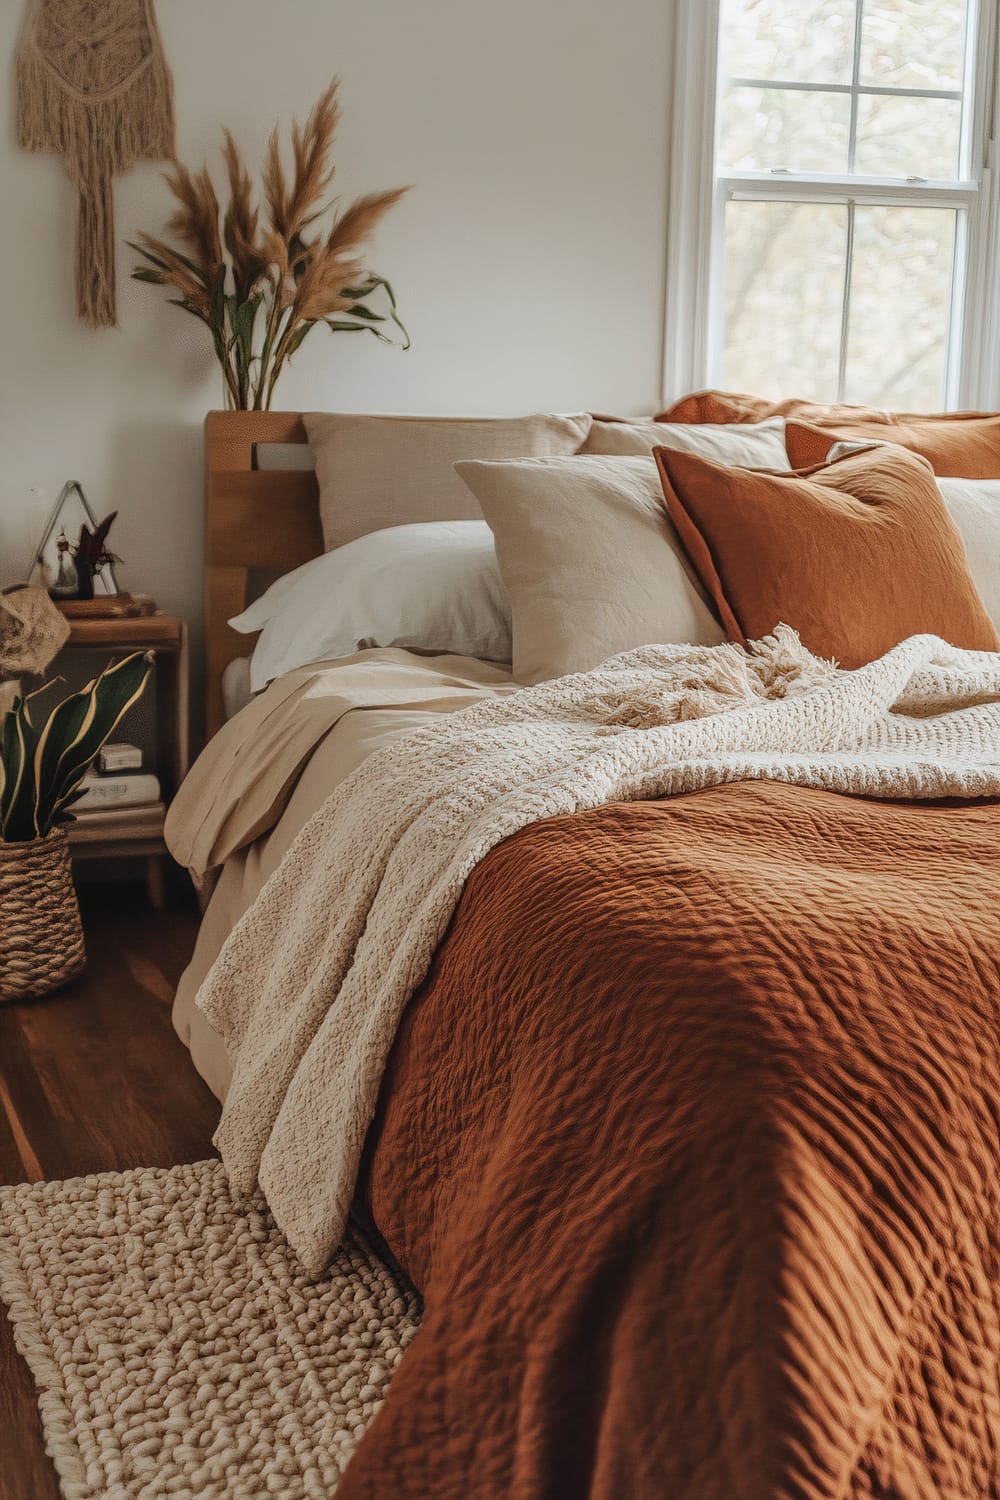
(93, 86)
(723, 678)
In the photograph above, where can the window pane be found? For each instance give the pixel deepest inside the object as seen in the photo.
(784, 297)
(901, 137)
(809, 42)
(805, 132)
(901, 283)
(914, 43)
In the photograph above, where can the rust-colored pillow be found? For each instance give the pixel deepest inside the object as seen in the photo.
(730, 406)
(957, 445)
(855, 555)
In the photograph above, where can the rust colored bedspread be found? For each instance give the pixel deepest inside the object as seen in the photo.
(691, 1142)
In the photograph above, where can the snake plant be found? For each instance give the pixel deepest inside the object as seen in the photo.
(41, 766)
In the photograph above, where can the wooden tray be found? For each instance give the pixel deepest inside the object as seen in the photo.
(106, 607)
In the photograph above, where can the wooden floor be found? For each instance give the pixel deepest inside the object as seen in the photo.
(94, 1080)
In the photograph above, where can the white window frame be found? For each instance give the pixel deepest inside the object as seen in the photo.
(697, 198)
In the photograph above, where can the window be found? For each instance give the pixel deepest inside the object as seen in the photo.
(844, 222)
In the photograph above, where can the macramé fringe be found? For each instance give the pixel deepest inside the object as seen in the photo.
(97, 139)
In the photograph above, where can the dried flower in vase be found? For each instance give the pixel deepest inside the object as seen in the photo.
(260, 288)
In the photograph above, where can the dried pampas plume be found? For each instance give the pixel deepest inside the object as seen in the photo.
(261, 283)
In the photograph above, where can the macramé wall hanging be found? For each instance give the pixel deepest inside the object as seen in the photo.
(94, 86)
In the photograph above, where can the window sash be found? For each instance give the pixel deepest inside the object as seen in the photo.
(694, 335)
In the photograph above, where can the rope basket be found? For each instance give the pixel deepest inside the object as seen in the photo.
(41, 937)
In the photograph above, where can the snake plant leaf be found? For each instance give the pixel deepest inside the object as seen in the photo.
(76, 730)
(19, 742)
(64, 815)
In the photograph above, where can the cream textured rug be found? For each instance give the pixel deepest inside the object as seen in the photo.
(180, 1350)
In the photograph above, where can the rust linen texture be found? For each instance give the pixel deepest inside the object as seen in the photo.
(690, 1140)
(762, 545)
(957, 444)
(968, 447)
(310, 985)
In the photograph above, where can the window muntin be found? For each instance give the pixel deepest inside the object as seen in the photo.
(842, 163)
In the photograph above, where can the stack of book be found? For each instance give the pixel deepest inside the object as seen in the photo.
(117, 796)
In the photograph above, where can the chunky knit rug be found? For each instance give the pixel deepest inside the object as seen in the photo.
(178, 1347)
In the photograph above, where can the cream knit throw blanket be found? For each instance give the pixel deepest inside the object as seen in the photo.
(311, 984)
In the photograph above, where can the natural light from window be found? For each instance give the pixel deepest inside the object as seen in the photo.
(842, 170)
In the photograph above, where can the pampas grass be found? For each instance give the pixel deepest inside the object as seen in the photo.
(263, 281)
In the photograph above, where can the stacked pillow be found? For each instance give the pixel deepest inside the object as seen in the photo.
(960, 445)
(377, 471)
(856, 555)
(594, 545)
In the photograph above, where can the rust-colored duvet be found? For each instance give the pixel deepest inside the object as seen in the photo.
(690, 1141)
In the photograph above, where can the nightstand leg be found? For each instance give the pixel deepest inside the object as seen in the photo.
(155, 882)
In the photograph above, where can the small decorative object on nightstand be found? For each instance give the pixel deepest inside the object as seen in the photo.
(127, 831)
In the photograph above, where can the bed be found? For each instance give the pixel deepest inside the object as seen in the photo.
(686, 1131)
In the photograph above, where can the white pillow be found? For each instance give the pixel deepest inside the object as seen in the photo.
(433, 585)
(741, 445)
(974, 506)
(236, 689)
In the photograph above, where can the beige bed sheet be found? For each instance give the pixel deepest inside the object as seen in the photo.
(272, 766)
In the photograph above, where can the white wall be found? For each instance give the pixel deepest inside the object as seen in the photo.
(528, 260)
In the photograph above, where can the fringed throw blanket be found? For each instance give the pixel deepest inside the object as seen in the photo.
(93, 85)
(311, 985)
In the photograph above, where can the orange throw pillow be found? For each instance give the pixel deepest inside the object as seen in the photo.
(856, 555)
(957, 445)
(730, 406)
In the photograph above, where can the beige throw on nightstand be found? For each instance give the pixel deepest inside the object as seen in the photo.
(93, 85)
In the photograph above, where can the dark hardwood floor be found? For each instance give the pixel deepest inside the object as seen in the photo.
(92, 1080)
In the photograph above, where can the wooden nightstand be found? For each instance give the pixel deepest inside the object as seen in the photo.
(133, 832)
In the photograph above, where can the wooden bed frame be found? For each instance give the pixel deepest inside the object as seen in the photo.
(254, 521)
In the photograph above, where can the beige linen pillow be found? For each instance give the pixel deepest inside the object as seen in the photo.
(378, 471)
(744, 445)
(590, 561)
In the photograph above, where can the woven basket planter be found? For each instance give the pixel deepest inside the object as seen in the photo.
(41, 937)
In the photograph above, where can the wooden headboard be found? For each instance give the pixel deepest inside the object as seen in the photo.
(255, 521)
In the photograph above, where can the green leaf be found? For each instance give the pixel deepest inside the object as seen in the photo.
(145, 273)
(372, 284)
(360, 311)
(340, 325)
(19, 792)
(157, 260)
(194, 311)
(74, 732)
(296, 338)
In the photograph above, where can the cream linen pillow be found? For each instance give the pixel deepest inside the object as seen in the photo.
(974, 506)
(590, 561)
(377, 471)
(743, 445)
